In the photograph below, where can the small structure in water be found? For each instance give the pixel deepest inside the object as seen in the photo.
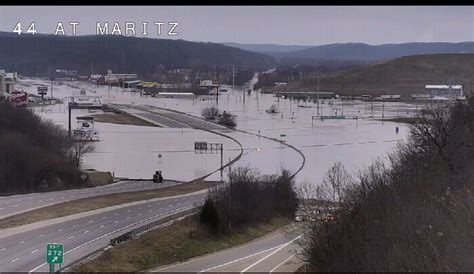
(85, 130)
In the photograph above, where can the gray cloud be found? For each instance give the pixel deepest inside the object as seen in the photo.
(311, 25)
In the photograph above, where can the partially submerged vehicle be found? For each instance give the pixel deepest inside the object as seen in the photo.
(157, 177)
(272, 109)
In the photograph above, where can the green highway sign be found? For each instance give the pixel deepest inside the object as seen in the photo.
(54, 253)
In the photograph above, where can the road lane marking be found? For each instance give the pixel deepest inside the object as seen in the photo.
(91, 221)
(3, 248)
(240, 259)
(87, 231)
(271, 254)
(70, 237)
(282, 263)
(22, 242)
(61, 229)
(128, 217)
(42, 235)
(101, 226)
(112, 232)
(36, 250)
(14, 260)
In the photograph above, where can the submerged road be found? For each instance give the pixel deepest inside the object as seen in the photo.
(26, 251)
(12, 205)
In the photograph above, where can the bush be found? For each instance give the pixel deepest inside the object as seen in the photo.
(210, 113)
(249, 199)
(227, 119)
(209, 215)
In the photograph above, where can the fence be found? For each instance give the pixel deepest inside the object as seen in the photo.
(139, 230)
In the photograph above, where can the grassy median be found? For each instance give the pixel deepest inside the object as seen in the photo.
(122, 119)
(182, 240)
(91, 203)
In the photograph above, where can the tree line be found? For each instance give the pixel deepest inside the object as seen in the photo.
(36, 154)
(414, 213)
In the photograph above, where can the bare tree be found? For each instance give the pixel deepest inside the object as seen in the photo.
(210, 113)
(80, 147)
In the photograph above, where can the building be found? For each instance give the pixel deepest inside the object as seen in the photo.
(444, 92)
(7, 83)
(64, 74)
(131, 84)
(117, 78)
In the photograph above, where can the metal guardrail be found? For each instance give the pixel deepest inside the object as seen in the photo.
(150, 226)
(133, 233)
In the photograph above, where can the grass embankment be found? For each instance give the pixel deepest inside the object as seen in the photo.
(182, 240)
(91, 203)
(122, 118)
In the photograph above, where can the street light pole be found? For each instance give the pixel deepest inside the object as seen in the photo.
(318, 96)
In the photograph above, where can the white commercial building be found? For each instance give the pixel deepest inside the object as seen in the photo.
(444, 92)
(7, 83)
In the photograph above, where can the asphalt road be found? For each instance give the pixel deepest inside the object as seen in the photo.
(276, 252)
(26, 251)
(12, 205)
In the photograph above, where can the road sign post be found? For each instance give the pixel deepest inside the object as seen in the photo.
(54, 255)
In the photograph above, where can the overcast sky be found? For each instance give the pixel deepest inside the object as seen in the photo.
(265, 24)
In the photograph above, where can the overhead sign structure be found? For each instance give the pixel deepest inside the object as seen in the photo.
(200, 145)
(55, 253)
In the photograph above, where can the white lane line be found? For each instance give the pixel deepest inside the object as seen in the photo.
(91, 221)
(128, 217)
(112, 232)
(282, 263)
(115, 221)
(87, 231)
(34, 251)
(61, 229)
(14, 260)
(101, 226)
(240, 259)
(42, 235)
(70, 237)
(2, 249)
(22, 242)
(271, 254)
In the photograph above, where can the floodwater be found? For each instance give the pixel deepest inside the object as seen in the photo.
(131, 151)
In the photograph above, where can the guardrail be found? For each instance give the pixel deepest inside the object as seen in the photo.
(133, 233)
(150, 226)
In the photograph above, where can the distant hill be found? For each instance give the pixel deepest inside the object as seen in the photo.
(40, 55)
(370, 53)
(267, 48)
(405, 75)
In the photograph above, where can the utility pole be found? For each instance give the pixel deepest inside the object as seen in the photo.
(318, 96)
(52, 79)
(233, 76)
